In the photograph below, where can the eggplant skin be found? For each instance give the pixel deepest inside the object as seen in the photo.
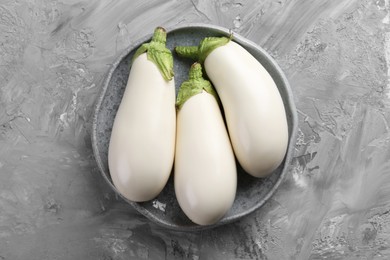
(205, 175)
(253, 107)
(142, 144)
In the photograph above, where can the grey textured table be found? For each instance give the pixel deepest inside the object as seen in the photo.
(334, 202)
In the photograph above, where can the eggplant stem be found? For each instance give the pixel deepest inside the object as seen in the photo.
(195, 84)
(158, 53)
(190, 52)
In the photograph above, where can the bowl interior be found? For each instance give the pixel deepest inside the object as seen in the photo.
(252, 192)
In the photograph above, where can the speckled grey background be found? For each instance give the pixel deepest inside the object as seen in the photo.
(335, 201)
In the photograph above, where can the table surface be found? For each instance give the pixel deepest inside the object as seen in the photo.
(334, 202)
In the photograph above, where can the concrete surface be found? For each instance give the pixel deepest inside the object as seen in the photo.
(335, 201)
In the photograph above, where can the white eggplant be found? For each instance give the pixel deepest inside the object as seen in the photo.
(254, 110)
(141, 149)
(205, 176)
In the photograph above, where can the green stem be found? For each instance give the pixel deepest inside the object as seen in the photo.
(190, 52)
(158, 53)
(160, 35)
(206, 46)
(194, 85)
(195, 72)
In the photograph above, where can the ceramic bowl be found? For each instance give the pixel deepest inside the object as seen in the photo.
(252, 192)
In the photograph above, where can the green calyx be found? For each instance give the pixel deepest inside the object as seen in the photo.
(194, 85)
(206, 46)
(158, 53)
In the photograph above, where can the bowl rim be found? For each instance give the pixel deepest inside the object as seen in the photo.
(288, 98)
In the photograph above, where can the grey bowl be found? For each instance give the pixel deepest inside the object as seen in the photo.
(252, 192)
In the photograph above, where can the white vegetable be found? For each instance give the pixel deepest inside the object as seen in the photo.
(205, 177)
(253, 107)
(141, 149)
